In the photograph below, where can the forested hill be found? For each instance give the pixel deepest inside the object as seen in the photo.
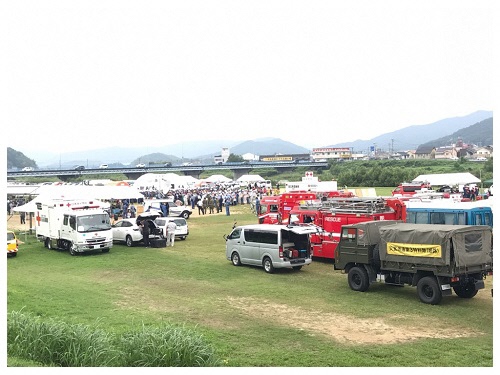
(480, 134)
(18, 159)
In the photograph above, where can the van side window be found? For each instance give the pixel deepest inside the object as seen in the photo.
(259, 236)
(235, 234)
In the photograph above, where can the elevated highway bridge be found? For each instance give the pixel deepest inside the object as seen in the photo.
(238, 170)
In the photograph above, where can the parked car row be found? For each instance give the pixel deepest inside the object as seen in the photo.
(129, 230)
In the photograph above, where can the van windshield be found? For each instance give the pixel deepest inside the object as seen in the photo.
(90, 223)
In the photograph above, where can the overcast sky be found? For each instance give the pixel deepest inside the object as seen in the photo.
(314, 73)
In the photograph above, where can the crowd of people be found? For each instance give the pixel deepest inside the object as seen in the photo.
(210, 199)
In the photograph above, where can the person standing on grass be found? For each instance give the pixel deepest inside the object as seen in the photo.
(171, 227)
(23, 217)
(227, 203)
(133, 210)
(145, 232)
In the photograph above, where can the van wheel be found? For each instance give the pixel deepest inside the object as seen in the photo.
(128, 241)
(357, 278)
(268, 265)
(428, 290)
(235, 258)
(297, 268)
(465, 291)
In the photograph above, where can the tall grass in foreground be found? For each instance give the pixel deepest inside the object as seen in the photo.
(56, 343)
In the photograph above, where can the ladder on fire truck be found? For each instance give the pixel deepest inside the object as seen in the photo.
(349, 205)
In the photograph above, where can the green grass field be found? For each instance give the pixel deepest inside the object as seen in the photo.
(287, 319)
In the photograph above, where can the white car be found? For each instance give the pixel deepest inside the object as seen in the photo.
(28, 169)
(182, 230)
(127, 230)
(140, 165)
(153, 205)
(103, 166)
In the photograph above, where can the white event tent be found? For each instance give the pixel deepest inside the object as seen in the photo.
(217, 178)
(247, 178)
(47, 192)
(451, 179)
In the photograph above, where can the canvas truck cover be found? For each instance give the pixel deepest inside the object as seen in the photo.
(368, 231)
(432, 244)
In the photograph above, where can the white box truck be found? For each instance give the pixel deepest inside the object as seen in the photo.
(75, 225)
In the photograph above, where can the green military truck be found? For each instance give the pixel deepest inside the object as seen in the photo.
(434, 258)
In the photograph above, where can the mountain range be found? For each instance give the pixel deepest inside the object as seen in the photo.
(203, 151)
(411, 137)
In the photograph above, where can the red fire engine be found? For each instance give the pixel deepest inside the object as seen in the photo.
(276, 209)
(331, 214)
(407, 189)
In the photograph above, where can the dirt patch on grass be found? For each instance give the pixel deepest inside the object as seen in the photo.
(349, 329)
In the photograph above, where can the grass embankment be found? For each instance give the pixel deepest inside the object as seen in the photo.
(250, 318)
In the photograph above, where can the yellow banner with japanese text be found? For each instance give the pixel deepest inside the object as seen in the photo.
(414, 250)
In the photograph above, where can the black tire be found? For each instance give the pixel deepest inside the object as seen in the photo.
(185, 215)
(71, 251)
(268, 265)
(47, 244)
(297, 268)
(358, 280)
(235, 259)
(105, 250)
(428, 290)
(128, 241)
(465, 291)
(183, 238)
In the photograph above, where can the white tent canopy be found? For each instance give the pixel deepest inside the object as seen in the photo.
(250, 178)
(218, 178)
(76, 192)
(31, 205)
(164, 182)
(450, 179)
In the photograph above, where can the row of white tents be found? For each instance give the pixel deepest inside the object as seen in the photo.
(96, 190)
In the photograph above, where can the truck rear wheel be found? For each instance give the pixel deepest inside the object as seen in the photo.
(357, 278)
(47, 243)
(428, 290)
(465, 291)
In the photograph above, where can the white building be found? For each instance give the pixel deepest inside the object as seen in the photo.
(222, 158)
(311, 183)
(331, 153)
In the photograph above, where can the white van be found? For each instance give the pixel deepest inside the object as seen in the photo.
(270, 246)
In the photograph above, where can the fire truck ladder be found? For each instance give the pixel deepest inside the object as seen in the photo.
(350, 205)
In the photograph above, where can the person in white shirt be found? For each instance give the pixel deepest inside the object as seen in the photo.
(171, 227)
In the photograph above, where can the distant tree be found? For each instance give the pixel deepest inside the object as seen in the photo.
(235, 158)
